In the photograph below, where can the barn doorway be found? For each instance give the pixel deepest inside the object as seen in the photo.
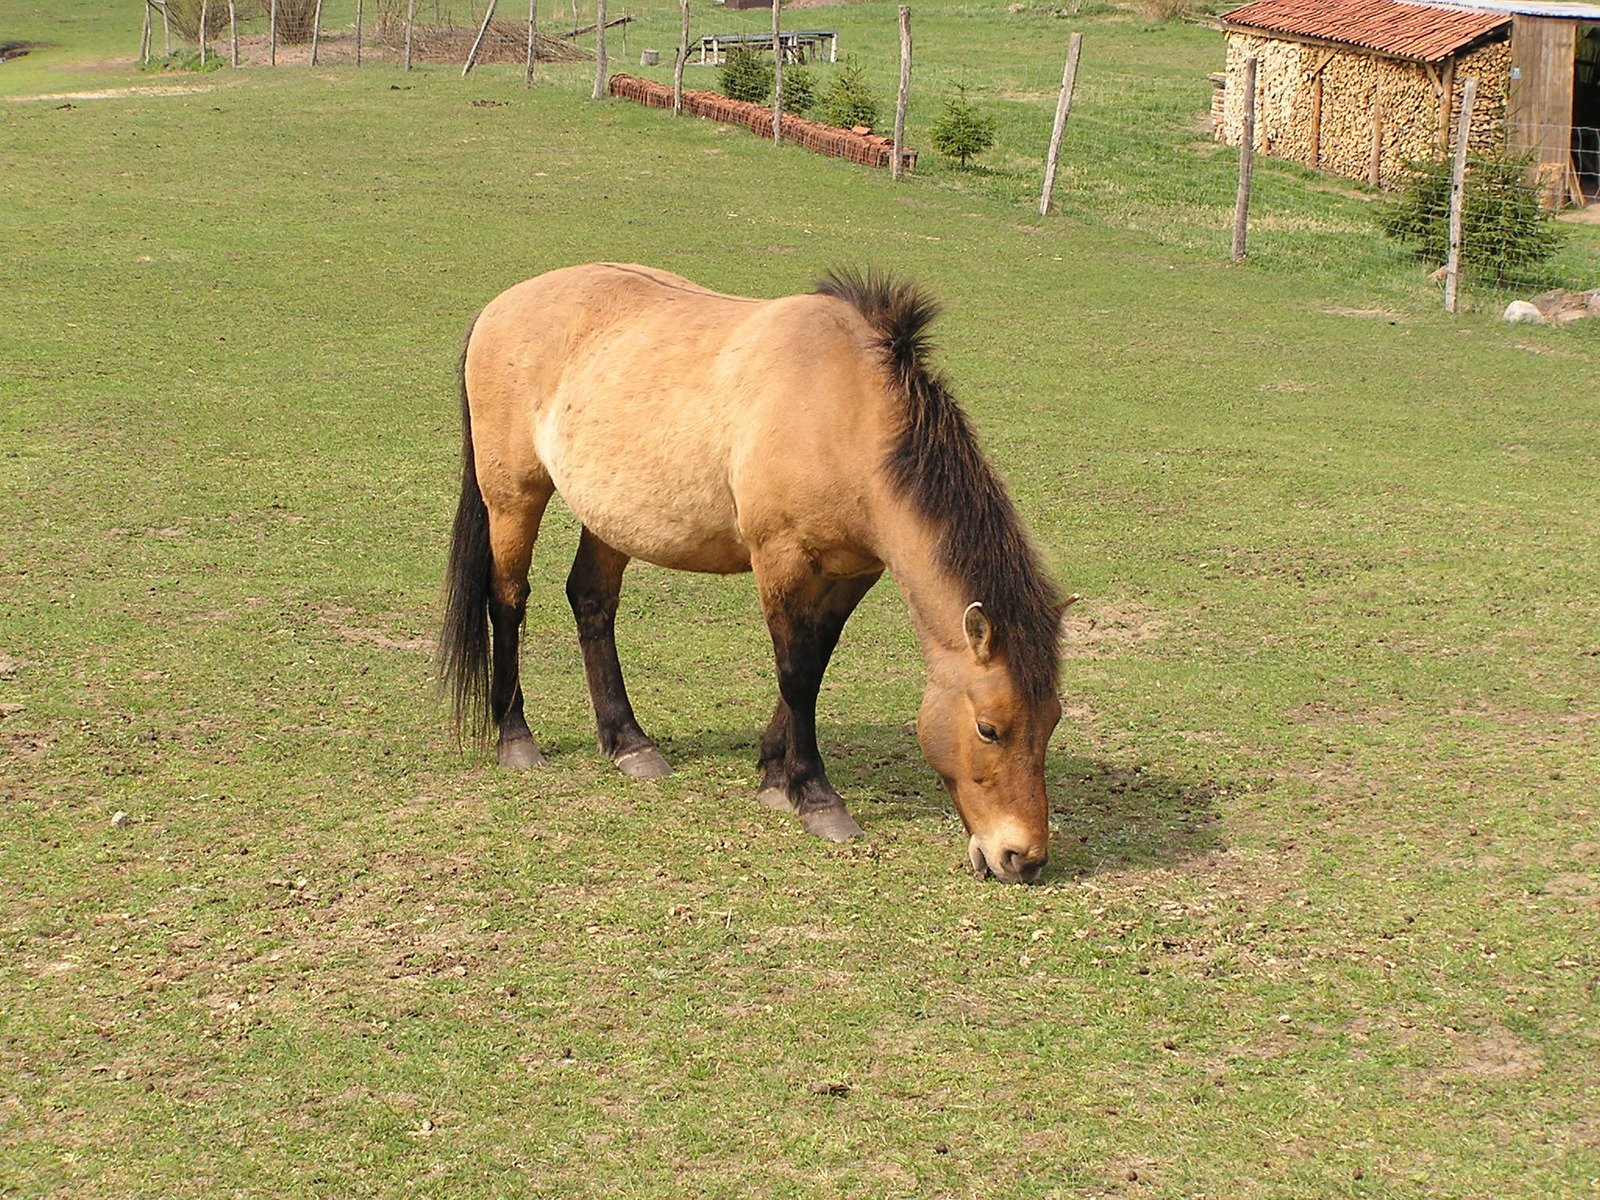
(1586, 112)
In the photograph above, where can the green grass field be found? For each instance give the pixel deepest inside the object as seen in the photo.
(1321, 919)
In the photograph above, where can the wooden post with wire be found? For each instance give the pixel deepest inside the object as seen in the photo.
(272, 33)
(777, 73)
(205, 15)
(1069, 81)
(898, 167)
(411, 23)
(477, 42)
(1458, 179)
(683, 57)
(358, 33)
(166, 31)
(144, 36)
(533, 25)
(599, 50)
(316, 31)
(233, 34)
(1247, 160)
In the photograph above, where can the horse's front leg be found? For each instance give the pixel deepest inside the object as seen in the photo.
(805, 615)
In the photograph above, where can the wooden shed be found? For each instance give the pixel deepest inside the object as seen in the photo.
(1358, 87)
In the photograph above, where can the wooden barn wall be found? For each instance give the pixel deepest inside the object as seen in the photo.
(1338, 138)
(1544, 50)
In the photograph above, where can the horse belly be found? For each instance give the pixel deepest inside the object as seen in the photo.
(645, 490)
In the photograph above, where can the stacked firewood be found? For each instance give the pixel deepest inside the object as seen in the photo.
(1361, 99)
(857, 145)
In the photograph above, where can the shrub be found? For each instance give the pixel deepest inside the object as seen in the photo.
(184, 17)
(1505, 230)
(848, 100)
(746, 75)
(1166, 10)
(961, 132)
(296, 19)
(799, 90)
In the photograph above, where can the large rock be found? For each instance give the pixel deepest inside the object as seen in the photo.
(1521, 312)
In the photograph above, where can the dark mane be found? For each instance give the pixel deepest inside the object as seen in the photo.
(940, 467)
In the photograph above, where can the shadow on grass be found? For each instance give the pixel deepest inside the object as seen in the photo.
(1105, 816)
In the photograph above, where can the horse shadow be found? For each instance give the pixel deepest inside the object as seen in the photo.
(1105, 815)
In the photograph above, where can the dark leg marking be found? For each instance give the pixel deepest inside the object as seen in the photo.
(516, 748)
(593, 589)
(805, 624)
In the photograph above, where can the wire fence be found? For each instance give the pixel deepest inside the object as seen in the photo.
(1139, 151)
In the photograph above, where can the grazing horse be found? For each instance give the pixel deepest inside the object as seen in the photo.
(804, 439)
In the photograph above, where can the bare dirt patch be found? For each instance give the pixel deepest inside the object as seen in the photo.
(155, 89)
(1496, 1054)
(1109, 629)
(340, 621)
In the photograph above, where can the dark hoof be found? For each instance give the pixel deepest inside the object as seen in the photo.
(831, 824)
(776, 798)
(644, 763)
(520, 754)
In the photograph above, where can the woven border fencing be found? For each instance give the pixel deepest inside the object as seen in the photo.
(868, 149)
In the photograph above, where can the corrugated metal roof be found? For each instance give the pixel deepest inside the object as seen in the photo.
(1414, 31)
(1566, 9)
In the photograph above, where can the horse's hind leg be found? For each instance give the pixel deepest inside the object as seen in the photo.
(805, 618)
(513, 529)
(592, 589)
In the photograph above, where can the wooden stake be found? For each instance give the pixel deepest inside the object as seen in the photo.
(1458, 175)
(166, 31)
(683, 56)
(411, 23)
(144, 36)
(358, 33)
(777, 73)
(897, 169)
(233, 34)
(205, 15)
(599, 50)
(1069, 81)
(472, 55)
(316, 30)
(1375, 165)
(533, 23)
(1247, 158)
(272, 33)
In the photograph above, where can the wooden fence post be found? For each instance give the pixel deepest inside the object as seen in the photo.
(1069, 81)
(1458, 173)
(1247, 158)
(1375, 163)
(472, 55)
(166, 31)
(411, 21)
(144, 35)
(316, 31)
(777, 73)
(683, 57)
(358, 33)
(599, 50)
(272, 33)
(533, 24)
(898, 168)
(233, 34)
(205, 15)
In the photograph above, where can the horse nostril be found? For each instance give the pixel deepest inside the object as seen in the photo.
(1017, 864)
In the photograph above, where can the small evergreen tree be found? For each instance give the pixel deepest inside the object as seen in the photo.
(848, 100)
(747, 75)
(962, 132)
(799, 90)
(1505, 230)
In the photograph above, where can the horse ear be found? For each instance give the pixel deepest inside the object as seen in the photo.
(1061, 610)
(980, 633)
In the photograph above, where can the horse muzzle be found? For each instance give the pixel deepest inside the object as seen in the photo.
(1008, 865)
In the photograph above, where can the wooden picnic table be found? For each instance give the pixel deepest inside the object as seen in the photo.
(799, 45)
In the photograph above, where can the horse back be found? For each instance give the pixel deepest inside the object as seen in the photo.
(681, 425)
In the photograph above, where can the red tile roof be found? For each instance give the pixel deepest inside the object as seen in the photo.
(1414, 31)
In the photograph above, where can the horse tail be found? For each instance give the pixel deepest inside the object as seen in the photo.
(463, 659)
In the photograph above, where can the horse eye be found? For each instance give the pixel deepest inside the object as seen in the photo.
(988, 732)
